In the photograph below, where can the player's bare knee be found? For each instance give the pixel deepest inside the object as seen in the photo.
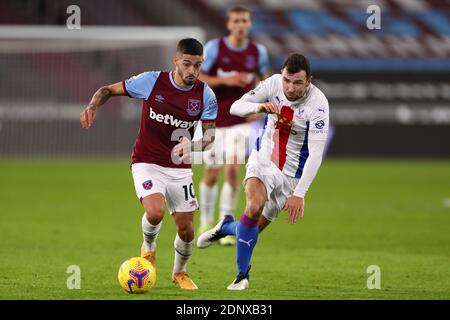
(154, 211)
(154, 206)
(254, 209)
(254, 187)
(232, 174)
(187, 236)
(186, 233)
(154, 215)
(210, 181)
(211, 176)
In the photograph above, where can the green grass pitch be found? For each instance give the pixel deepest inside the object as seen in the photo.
(390, 213)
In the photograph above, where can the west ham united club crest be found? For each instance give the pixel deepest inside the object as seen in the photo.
(147, 184)
(250, 62)
(193, 107)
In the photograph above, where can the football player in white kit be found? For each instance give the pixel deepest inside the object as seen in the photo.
(286, 158)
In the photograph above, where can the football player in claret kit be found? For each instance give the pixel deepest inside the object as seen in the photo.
(233, 65)
(173, 103)
(284, 162)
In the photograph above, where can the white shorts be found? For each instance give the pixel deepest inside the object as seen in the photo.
(279, 186)
(175, 184)
(231, 145)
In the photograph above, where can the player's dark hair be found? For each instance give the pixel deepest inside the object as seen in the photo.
(296, 62)
(238, 8)
(190, 46)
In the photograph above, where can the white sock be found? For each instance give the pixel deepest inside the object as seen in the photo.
(150, 233)
(208, 197)
(228, 200)
(183, 251)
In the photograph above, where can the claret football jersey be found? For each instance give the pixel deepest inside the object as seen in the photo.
(223, 60)
(169, 112)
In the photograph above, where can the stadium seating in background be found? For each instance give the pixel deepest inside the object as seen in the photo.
(414, 35)
(388, 89)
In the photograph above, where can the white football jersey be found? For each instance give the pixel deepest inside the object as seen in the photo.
(287, 135)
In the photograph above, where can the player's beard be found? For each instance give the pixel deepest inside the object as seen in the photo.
(189, 82)
(299, 95)
(294, 98)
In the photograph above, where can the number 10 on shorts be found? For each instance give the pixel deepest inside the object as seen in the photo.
(189, 191)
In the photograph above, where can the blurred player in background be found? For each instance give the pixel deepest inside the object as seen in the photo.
(285, 161)
(232, 66)
(173, 102)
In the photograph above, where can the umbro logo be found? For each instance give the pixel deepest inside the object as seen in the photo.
(193, 203)
(159, 98)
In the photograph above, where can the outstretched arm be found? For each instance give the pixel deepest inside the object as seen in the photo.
(99, 98)
(208, 118)
(209, 135)
(244, 108)
(255, 101)
(295, 205)
(317, 135)
(311, 168)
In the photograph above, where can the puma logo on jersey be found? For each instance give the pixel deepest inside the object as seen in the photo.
(278, 99)
(171, 120)
(246, 242)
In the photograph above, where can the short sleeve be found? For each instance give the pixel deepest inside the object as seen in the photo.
(209, 104)
(319, 120)
(263, 59)
(210, 54)
(141, 86)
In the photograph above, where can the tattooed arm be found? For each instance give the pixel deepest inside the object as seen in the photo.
(182, 151)
(102, 95)
(209, 135)
(208, 118)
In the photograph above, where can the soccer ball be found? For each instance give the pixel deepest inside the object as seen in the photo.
(137, 275)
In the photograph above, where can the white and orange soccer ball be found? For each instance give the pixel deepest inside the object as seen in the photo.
(137, 275)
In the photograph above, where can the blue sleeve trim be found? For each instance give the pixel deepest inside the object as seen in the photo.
(211, 51)
(209, 104)
(141, 86)
(263, 59)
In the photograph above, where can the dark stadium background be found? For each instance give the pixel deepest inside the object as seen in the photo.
(382, 195)
(388, 89)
